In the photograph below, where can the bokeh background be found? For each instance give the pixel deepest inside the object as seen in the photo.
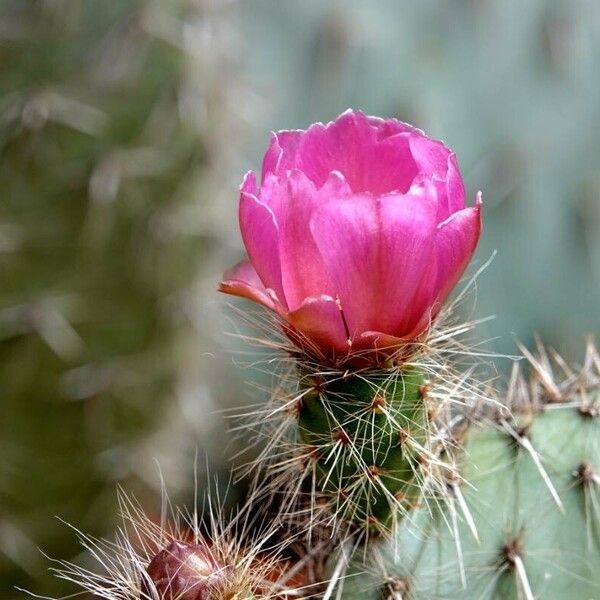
(125, 129)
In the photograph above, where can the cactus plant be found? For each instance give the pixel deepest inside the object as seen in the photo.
(356, 234)
(528, 521)
(355, 449)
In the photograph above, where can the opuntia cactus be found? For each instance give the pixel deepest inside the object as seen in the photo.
(356, 234)
(526, 521)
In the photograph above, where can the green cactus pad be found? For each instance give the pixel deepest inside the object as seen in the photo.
(532, 488)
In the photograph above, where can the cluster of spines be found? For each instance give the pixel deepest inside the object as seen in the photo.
(177, 557)
(357, 448)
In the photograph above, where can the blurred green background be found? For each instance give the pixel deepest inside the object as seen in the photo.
(125, 129)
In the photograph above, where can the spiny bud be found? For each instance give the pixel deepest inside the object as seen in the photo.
(182, 572)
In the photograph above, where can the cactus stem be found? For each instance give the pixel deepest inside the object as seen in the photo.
(376, 427)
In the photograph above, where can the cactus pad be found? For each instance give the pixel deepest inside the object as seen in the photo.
(524, 521)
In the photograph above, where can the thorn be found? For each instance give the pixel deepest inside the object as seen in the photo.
(403, 436)
(397, 588)
(432, 412)
(590, 410)
(465, 511)
(341, 436)
(296, 408)
(373, 472)
(423, 391)
(523, 432)
(586, 475)
(522, 578)
(378, 404)
(318, 383)
(459, 552)
(344, 322)
(538, 463)
(337, 572)
(512, 549)
(543, 373)
(400, 496)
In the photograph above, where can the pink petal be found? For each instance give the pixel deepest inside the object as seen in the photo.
(376, 340)
(320, 325)
(430, 155)
(249, 184)
(343, 145)
(455, 244)
(261, 238)
(373, 154)
(455, 186)
(243, 281)
(281, 155)
(350, 145)
(390, 166)
(440, 165)
(303, 272)
(376, 251)
(388, 127)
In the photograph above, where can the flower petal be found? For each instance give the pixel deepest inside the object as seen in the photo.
(281, 155)
(303, 272)
(439, 164)
(455, 244)
(243, 281)
(455, 187)
(376, 251)
(319, 323)
(343, 145)
(430, 155)
(372, 154)
(388, 127)
(390, 166)
(261, 238)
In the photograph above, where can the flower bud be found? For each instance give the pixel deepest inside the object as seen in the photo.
(182, 572)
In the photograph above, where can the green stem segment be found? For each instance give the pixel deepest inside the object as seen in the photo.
(366, 433)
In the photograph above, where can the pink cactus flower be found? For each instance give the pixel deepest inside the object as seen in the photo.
(355, 236)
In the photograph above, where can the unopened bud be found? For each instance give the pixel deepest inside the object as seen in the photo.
(182, 572)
